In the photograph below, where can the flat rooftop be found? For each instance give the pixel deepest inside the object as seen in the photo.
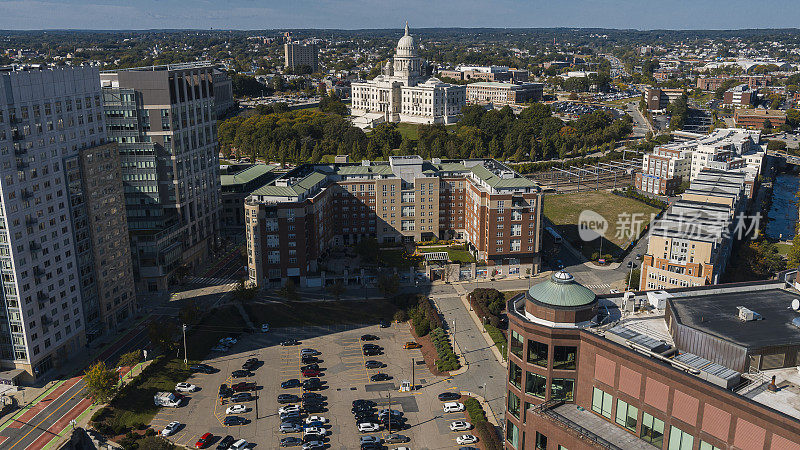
(716, 314)
(787, 398)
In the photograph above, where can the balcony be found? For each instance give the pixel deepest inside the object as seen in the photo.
(597, 432)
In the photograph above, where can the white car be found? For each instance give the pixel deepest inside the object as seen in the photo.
(311, 419)
(185, 387)
(450, 407)
(171, 428)
(460, 425)
(239, 445)
(313, 445)
(265, 328)
(314, 430)
(288, 409)
(368, 427)
(236, 409)
(466, 439)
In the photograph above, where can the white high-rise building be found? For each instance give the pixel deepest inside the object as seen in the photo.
(403, 94)
(46, 117)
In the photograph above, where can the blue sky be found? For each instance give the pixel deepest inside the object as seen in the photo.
(350, 14)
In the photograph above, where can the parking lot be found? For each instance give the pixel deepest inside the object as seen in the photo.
(344, 378)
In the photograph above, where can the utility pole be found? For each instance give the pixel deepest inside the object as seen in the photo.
(185, 354)
(412, 374)
(389, 427)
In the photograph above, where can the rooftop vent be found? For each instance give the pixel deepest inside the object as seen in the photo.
(746, 315)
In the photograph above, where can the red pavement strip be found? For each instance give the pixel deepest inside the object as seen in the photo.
(43, 403)
(60, 424)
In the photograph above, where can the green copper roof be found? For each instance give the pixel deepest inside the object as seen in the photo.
(500, 183)
(295, 190)
(247, 175)
(561, 290)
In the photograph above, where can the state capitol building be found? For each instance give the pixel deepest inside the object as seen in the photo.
(403, 94)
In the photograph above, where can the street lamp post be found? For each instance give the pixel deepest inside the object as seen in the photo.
(185, 354)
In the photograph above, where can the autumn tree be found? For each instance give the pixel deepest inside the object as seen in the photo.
(101, 382)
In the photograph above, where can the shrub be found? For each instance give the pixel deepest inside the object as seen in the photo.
(99, 415)
(487, 434)
(475, 411)
(446, 357)
(400, 316)
(150, 432)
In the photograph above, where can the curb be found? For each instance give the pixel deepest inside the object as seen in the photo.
(483, 332)
(489, 413)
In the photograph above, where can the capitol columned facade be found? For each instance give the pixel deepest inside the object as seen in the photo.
(401, 93)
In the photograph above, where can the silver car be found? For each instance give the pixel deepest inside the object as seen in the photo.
(291, 427)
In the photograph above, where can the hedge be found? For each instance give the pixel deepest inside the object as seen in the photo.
(487, 434)
(419, 308)
(475, 411)
(446, 357)
(489, 303)
(498, 337)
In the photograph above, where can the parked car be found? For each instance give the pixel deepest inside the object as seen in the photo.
(312, 384)
(288, 408)
(171, 428)
(370, 346)
(314, 430)
(313, 425)
(231, 421)
(251, 364)
(291, 441)
(236, 409)
(308, 352)
(384, 323)
(411, 345)
(241, 397)
(386, 412)
(310, 367)
(225, 443)
(312, 408)
(368, 427)
(243, 386)
(224, 391)
(241, 373)
(313, 445)
(460, 425)
(369, 337)
(308, 359)
(290, 342)
(396, 439)
(370, 440)
(466, 439)
(185, 387)
(453, 407)
(372, 364)
(204, 440)
(363, 402)
(240, 445)
(287, 398)
(202, 368)
(291, 383)
(380, 376)
(371, 351)
(311, 419)
(290, 427)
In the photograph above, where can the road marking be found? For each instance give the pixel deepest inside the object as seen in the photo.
(48, 416)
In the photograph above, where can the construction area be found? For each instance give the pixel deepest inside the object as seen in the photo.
(589, 177)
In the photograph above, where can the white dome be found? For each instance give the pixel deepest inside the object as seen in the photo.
(406, 45)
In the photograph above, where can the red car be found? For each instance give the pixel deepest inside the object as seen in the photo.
(204, 440)
(244, 386)
(311, 373)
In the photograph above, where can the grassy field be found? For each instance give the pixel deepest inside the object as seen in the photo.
(563, 211)
(783, 248)
(455, 255)
(395, 257)
(297, 314)
(498, 338)
(408, 130)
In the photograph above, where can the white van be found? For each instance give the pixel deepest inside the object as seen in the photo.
(450, 407)
(239, 445)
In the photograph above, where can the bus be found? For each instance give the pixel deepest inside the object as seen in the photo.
(554, 234)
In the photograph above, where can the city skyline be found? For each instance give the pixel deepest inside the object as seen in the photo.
(355, 14)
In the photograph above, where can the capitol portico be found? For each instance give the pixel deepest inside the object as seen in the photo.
(402, 94)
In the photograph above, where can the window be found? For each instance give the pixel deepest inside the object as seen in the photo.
(537, 353)
(513, 404)
(535, 384)
(601, 404)
(627, 415)
(706, 446)
(515, 375)
(652, 430)
(512, 434)
(564, 357)
(678, 440)
(563, 388)
(516, 344)
(541, 441)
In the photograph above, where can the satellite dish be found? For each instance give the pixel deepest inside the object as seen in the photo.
(795, 304)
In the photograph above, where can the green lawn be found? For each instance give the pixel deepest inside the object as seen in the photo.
(563, 210)
(498, 338)
(783, 248)
(455, 255)
(298, 314)
(395, 257)
(408, 130)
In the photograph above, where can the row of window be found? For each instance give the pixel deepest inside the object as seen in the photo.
(536, 385)
(564, 356)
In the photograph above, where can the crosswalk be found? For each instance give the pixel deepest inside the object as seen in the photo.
(601, 286)
(208, 281)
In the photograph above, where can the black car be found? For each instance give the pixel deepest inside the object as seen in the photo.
(202, 368)
(226, 442)
(287, 398)
(362, 410)
(313, 395)
(242, 397)
(312, 384)
(310, 367)
(234, 420)
(364, 416)
(384, 323)
(250, 365)
(240, 373)
(292, 383)
(372, 364)
(309, 359)
(371, 446)
(369, 337)
(363, 402)
(291, 441)
(449, 396)
(395, 424)
(380, 377)
(313, 408)
(290, 342)
(225, 391)
(371, 352)
(369, 346)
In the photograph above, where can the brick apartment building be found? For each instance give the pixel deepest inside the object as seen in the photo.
(755, 118)
(741, 95)
(303, 214)
(682, 369)
(714, 83)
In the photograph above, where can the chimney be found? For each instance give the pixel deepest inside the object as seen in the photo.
(771, 386)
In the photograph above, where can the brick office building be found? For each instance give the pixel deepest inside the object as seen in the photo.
(584, 375)
(314, 208)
